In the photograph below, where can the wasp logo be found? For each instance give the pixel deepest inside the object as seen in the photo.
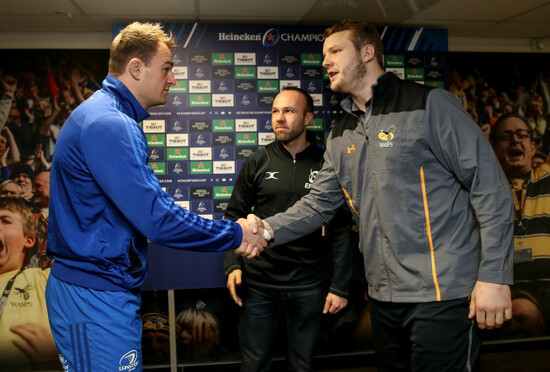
(350, 149)
(24, 292)
(387, 135)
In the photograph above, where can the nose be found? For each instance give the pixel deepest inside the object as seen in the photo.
(326, 62)
(277, 117)
(171, 78)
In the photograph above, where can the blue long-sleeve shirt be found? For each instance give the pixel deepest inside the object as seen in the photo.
(106, 201)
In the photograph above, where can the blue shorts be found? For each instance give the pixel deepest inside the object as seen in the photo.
(95, 330)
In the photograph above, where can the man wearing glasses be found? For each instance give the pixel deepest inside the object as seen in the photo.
(513, 142)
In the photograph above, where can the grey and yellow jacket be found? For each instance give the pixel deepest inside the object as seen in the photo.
(433, 206)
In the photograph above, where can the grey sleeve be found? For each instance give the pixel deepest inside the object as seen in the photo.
(461, 146)
(313, 210)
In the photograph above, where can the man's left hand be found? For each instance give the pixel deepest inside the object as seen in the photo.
(491, 304)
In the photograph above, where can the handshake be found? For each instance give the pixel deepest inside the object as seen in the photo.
(256, 234)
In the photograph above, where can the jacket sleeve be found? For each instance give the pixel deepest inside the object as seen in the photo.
(464, 150)
(339, 235)
(313, 210)
(241, 203)
(115, 151)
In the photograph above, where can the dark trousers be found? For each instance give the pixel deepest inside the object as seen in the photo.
(302, 310)
(431, 336)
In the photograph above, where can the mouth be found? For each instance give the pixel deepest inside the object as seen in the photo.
(515, 152)
(332, 74)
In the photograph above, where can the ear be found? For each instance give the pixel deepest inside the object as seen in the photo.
(309, 118)
(135, 68)
(30, 241)
(367, 53)
(533, 148)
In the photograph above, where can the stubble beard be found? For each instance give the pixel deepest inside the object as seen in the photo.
(356, 72)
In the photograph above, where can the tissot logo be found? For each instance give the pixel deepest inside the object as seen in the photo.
(153, 126)
(268, 72)
(200, 153)
(199, 86)
(174, 140)
(245, 59)
(222, 100)
(265, 138)
(246, 125)
(290, 83)
(180, 72)
(224, 167)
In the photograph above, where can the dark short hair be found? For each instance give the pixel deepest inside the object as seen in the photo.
(504, 117)
(362, 33)
(307, 96)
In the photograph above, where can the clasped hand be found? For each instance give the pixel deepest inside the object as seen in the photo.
(253, 236)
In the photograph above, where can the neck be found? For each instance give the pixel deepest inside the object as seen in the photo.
(520, 174)
(362, 95)
(295, 146)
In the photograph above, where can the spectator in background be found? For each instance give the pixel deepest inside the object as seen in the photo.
(22, 133)
(25, 337)
(513, 141)
(155, 338)
(9, 152)
(9, 86)
(538, 159)
(23, 174)
(198, 332)
(10, 189)
(41, 192)
(45, 118)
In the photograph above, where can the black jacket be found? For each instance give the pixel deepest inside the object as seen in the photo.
(270, 182)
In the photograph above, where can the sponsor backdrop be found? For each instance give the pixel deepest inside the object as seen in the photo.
(219, 113)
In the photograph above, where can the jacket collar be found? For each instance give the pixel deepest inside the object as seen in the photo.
(129, 103)
(379, 90)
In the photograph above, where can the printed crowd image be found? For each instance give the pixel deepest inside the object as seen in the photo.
(508, 96)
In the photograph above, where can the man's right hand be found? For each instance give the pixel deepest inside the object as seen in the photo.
(253, 242)
(234, 280)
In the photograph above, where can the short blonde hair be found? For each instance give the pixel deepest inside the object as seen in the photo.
(137, 40)
(23, 208)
